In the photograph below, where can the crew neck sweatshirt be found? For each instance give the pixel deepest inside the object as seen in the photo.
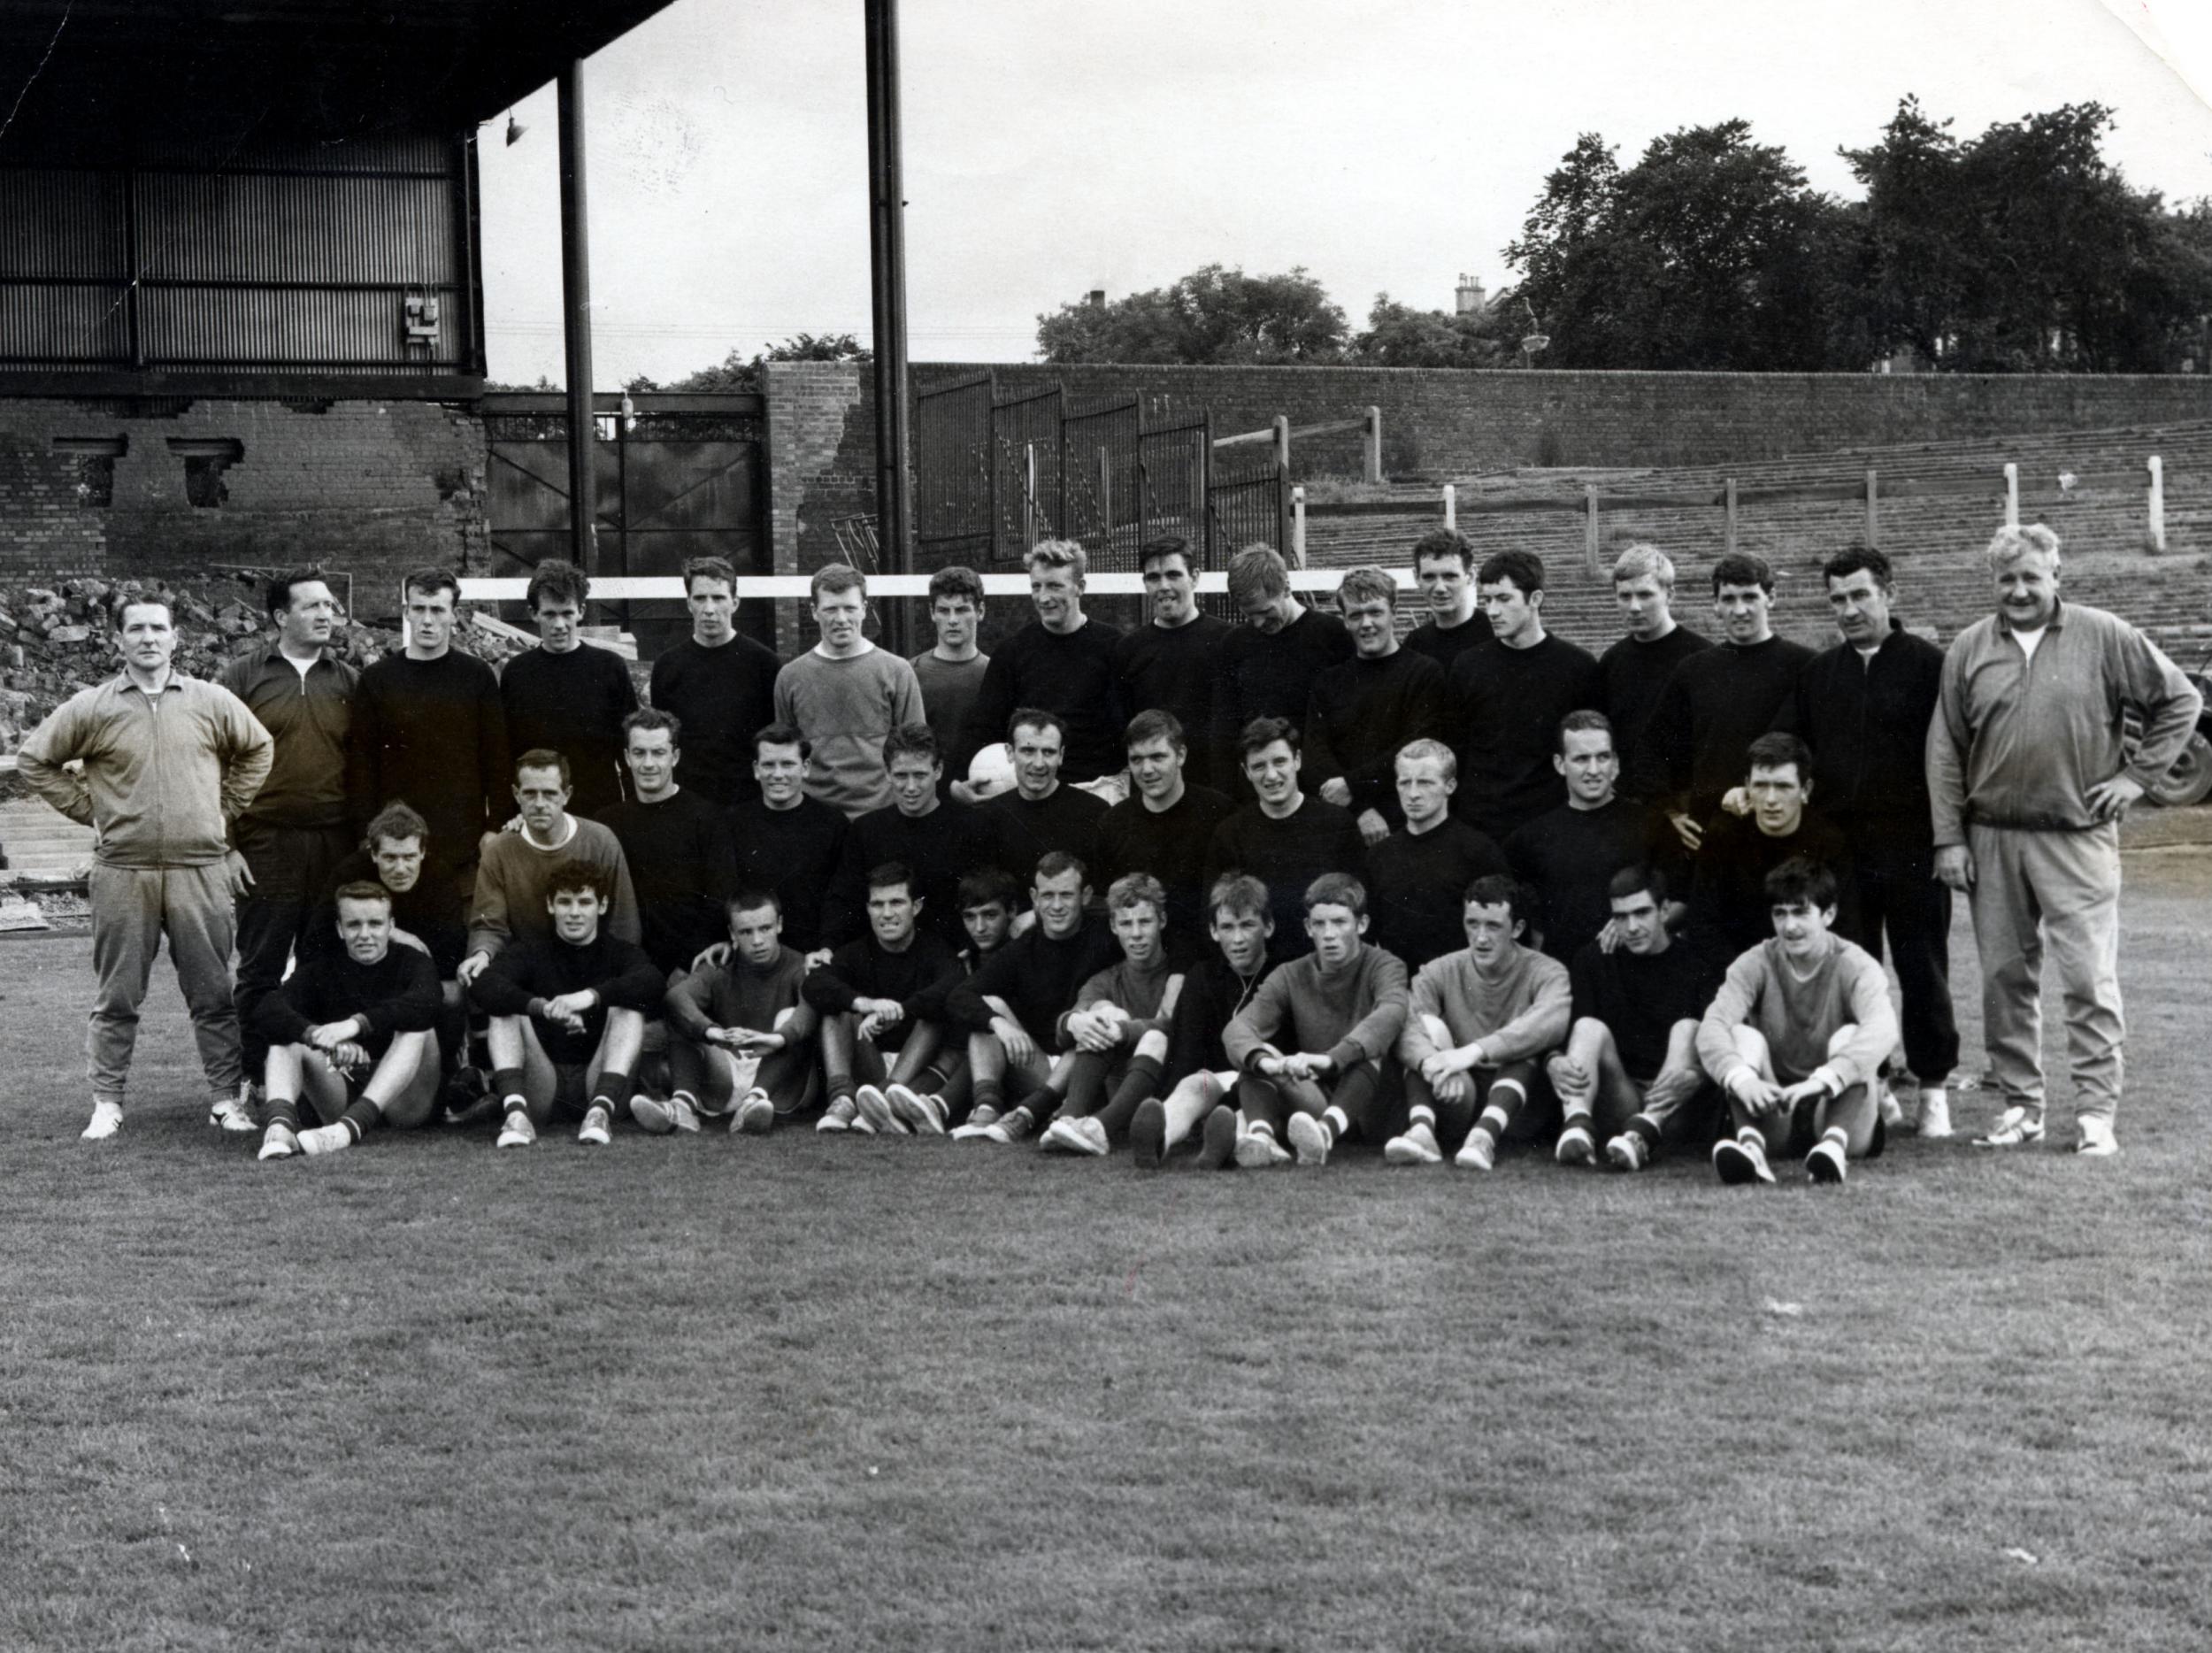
(1361, 713)
(1071, 673)
(1631, 675)
(572, 704)
(1173, 669)
(1505, 707)
(845, 707)
(1715, 703)
(723, 697)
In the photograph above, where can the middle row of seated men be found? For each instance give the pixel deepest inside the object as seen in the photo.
(1258, 953)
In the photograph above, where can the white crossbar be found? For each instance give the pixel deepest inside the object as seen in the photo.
(639, 587)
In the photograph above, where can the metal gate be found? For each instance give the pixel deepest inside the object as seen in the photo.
(680, 477)
(1248, 508)
(956, 514)
(1098, 482)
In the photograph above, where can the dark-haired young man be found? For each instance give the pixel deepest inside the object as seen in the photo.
(1269, 662)
(1633, 670)
(1118, 1031)
(511, 878)
(1285, 837)
(1040, 814)
(743, 1034)
(1477, 1025)
(787, 840)
(1435, 851)
(1062, 661)
(1629, 1076)
(1507, 697)
(881, 1002)
(565, 695)
(1796, 1037)
(989, 899)
(1362, 711)
(937, 841)
(675, 844)
(349, 1032)
(1568, 856)
(1717, 701)
(429, 727)
(720, 684)
(1165, 826)
(1315, 1042)
(1170, 665)
(296, 831)
(1215, 989)
(1728, 904)
(1444, 568)
(951, 674)
(567, 1013)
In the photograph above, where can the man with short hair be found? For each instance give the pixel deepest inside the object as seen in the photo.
(429, 727)
(1011, 1008)
(510, 886)
(845, 695)
(1629, 1076)
(1728, 900)
(1269, 662)
(1198, 1070)
(675, 845)
(1796, 1037)
(720, 684)
(1478, 1023)
(1568, 856)
(1337, 1013)
(349, 1032)
(881, 1002)
(1285, 837)
(937, 841)
(1444, 568)
(1506, 699)
(788, 841)
(1632, 672)
(1717, 701)
(951, 674)
(1436, 850)
(296, 829)
(566, 696)
(1117, 1032)
(1040, 815)
(1062, 661)
(1170, 665)
(2028, 777)
(1165, 826)
(743, 1034)
(169, 763)
(1865, 706)
(988, 897)
(1363, 710)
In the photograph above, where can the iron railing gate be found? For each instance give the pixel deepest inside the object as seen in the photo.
(1098, 491)
(956, 481)
(1026, 445)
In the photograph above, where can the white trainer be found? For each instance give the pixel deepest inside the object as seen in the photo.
(755, 1114)
(1310, 1138)
(107, 1119)
(326, 1139)
(875, 1107)
(516, 1131)
(2097, 1139)
(598, 1128)
(2015, 1127)
(1478, 1152)
(234, 1114)
(1935, 1112)
(278, 1141)
(1416, 1147)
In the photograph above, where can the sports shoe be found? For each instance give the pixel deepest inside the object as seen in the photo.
(1147, 1134)
(598, 1128)
(922, 1112)
(1738, 1160)
(467, 1097)
(2097, 1140)
(661, 1118)
(1258, 1150)
(1935, 1112)
(107, 1119)
(1826, 1162)
(1627, 1152)
(234, 1114)
(983, 1113)
(2015, 1127)
(1478, 1152)
(1217, 1139)
(1007, 1128)
(326, 1139)
(1416, 1147)
(516, 1131)
(1085, 1135)
(1310, 1138)
(839, 1116)
(1575, 1147)
(1059, 1138)
(1892, 1110)
(755, 1114)
(278, 1141)
(875, 1107)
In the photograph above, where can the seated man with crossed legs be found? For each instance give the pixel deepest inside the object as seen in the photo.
(1214, 989)
(882, 1003)
(1118, 1027)
(742, 1037)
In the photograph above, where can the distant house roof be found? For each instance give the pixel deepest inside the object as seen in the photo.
(116, 80)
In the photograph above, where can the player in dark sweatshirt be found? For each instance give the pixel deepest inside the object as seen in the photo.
(1214, 989)
(1632, 672)
(676, 842)
(1062, 661)
(567, 1013)
(1567, 856)
(741, 1035)
(1729, 908)
(1170, 664)
(566, 696)
(1165, 826)
(1269, 664)
(938, 841)
(1118, 1031)
(1285, 837)
(1411, 874)
(1363, 711)
(351, 1033)
(882, 1005)
(720, 684)
(1042, 812)
(1444, 568)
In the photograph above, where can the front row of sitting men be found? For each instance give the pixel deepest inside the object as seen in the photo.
(1091, 1033)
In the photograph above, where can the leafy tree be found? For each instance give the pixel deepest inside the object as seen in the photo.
(735, 373)
(1212, 315)
(1399, 335)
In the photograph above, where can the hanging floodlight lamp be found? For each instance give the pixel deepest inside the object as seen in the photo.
(514, 129)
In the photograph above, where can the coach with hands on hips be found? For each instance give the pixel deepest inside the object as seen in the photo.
(2028, 779)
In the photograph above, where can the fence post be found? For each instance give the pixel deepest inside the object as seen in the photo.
(1374, 444)
(1451, 506)
(1590, 526)
(2158, 503)
(1873, 509)
(1029, 493)
(1298, 528)
(2012, 496)
(1105, 494)
(1282, 422)
(1728, 531)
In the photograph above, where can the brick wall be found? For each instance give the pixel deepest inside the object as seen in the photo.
(369, 488)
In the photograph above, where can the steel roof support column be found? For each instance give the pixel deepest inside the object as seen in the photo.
(583, 432)
(887, 250)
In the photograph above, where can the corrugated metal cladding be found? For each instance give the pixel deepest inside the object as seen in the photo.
(302, 259)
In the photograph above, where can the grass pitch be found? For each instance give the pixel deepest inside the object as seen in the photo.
(818, 1393)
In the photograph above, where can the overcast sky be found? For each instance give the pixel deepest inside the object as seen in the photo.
(1052, 147)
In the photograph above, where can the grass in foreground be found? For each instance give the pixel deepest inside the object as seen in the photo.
(810, 1393)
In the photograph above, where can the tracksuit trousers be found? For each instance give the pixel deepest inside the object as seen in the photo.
(133, 909)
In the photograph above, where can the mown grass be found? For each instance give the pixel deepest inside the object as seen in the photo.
(804, 1393)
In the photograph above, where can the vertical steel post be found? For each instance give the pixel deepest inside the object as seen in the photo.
(1873, 509)
(887, 268)
(2012, 496)
(1281, 423)
(1728, 533)
(1298, 528)
(1451, 506)
(2158, 503)
(583, 433)
(1590, 526)
(1373, 445)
